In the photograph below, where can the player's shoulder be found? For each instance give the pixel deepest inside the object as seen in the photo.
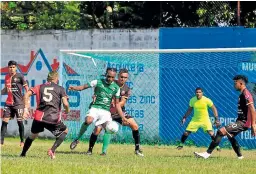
(193, 99)
(246, 93)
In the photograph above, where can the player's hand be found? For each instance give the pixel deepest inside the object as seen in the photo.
(253, 130)
(217, 123)
(183, 121)
(67, 110)
(71, 88)
(125, 121)
(26, 114)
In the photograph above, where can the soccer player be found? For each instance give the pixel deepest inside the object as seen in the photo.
(104, 90)
(49, 97)
(201, 117)
(14, 105)
(125, 93)
(246, 118)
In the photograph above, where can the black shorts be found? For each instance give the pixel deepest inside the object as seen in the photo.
(55, 129)
(118, 119)
(12, 111)
(233, 129)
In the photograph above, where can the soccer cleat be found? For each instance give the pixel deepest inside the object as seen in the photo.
(89, 152)
(51, 154)
(180, 147)
(218, 148)
(74, 144)
(240, 157)
(139, 153)
(22, 155)
(204, 155)
(103, 154)
(21, 144)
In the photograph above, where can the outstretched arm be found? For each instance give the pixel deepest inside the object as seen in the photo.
(78, 88)
(189, 110)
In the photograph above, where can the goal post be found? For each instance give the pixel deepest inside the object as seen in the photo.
(162, 82)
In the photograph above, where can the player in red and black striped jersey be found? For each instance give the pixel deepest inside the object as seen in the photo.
(246, 119)
(49, 97)
(14, 105)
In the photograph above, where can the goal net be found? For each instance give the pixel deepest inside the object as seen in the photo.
(162, 83)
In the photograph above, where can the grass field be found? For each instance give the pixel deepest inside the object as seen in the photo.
(120, 159)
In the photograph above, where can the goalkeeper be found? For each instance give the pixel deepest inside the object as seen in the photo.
(201, 117)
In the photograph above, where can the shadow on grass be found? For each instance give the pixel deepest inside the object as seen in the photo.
(17, 156)
(71, 152)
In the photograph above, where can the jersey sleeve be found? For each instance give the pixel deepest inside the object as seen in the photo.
(127, 93)
(92, 83)
(191, 103)
(35, 90)
(63, 92)
(117, 95)
(248, 97)
(209, 102)
(23, 81)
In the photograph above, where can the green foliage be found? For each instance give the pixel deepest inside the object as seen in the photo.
(74, 15)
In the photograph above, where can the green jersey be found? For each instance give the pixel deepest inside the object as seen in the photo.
(104, 93)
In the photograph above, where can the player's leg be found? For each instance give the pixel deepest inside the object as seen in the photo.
(207, 127)
(19, 115)
(237, 128)
(6, 118)
(220, 134)
(93, 138)
(60, 131)
(135, 133)
(193, 126)
(91, 116)
(36, 128)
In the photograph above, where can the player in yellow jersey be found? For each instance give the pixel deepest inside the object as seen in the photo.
(201, 118)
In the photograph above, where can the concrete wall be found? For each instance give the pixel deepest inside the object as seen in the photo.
(17, 45)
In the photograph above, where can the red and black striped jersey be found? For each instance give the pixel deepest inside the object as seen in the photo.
(49, 98)
(14, 85)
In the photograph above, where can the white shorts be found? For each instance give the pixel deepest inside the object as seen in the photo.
(100, 116)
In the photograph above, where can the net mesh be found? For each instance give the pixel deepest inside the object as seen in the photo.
(162, 85)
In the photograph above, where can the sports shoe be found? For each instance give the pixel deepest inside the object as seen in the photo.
(103, 154)
(89, 152)
(218, 148)
(21, 144)
(180, 147)
(204, 155)
(139, 153)
(51, 154)
(22, 155)
(74, 144)
(240, 157)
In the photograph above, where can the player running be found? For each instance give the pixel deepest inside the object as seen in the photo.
(14, 105)
(246, 118)
(104, 90)
(49, 97)
(201, 117)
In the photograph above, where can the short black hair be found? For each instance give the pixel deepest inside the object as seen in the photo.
(12, 62)
(111, 69)
(199, 88)
(241, 77)
(124, 70)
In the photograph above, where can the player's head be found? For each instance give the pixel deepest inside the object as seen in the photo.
(110, 75)
(123, 76)
(199, 92)
(53, 76)
(12, 66)
(240, 82)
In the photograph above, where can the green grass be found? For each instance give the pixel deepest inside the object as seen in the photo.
(120, 159)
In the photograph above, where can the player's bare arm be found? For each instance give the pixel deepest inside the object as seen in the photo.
(215, 113)
(78, 88)
(66, 104)
(253, 115)
(4, 91)
(26, 97)
(119, 111)
(189, 110)
(123, 101)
